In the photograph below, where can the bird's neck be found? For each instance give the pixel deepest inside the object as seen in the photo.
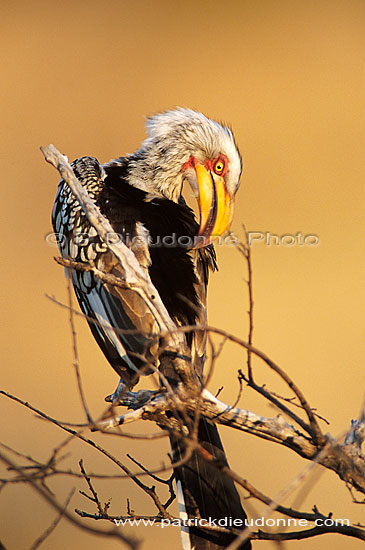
(147, 172)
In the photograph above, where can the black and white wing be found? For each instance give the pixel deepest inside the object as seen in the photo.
(118, 318)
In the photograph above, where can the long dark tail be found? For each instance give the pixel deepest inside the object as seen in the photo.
(205, 492)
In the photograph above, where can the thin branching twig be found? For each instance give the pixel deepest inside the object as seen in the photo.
(53, 525)
(76, 362)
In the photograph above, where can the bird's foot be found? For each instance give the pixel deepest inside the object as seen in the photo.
(130, 399)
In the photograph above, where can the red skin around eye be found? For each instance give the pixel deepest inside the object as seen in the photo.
(191, 162)
(209, 164)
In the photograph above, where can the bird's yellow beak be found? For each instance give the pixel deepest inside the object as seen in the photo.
(215, 205)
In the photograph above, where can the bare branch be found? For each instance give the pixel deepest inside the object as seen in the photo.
(167, 482)
(343, 459)
(274, 399)
(114, 533)
(216, 409)
(108, 278)
(284, 493)
(314, 428)
(245, 250)
(347, 530)
(76, 362)
(88, 441)
(53, 525)
(94, 497)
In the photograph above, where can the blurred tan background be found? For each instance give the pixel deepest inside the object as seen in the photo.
(289, 77)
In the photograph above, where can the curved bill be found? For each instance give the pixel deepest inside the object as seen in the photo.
(215, 205)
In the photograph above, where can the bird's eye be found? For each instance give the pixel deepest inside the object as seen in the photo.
(219, 167)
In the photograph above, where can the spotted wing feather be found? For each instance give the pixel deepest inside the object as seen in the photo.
(118, 318)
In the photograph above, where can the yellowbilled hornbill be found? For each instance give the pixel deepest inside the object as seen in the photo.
(141, 196)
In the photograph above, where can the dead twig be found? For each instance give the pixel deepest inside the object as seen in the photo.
(270, 396)
(245, 250)
(94, 497)
(346, 530)
(76, 362)
(168, 482)
(53, 525)
(114, 533)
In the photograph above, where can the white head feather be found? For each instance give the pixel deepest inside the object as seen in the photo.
(173, 138)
